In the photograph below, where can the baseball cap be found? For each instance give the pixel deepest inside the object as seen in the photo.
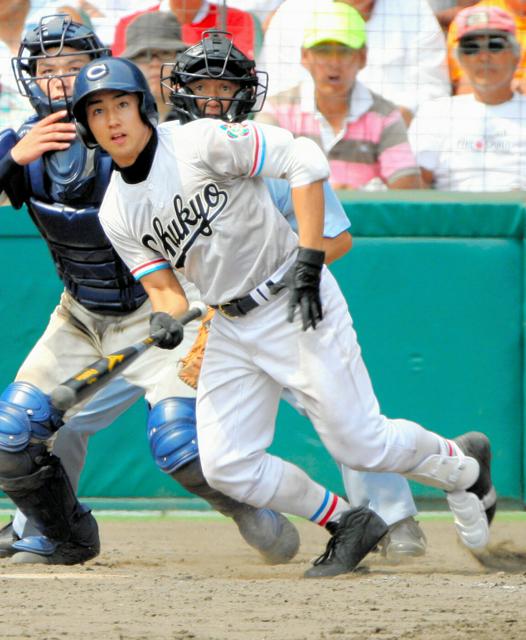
(153, 30)
(334, 21)
(483, 20)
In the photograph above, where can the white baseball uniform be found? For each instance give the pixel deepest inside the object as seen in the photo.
(204, 209)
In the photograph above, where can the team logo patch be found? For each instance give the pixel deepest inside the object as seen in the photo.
(235, 130)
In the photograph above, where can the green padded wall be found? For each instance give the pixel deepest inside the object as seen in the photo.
(436, 289)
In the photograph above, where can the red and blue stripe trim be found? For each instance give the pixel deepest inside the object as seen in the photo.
(149, 267)
(259, 152)
(327, 507)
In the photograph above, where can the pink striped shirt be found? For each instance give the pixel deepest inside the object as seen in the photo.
(373, 144)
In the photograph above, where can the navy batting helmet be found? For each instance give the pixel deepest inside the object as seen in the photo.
(47, 40)
(112, 74)
(215, 57)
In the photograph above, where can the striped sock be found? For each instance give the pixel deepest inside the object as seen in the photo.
(330, 509)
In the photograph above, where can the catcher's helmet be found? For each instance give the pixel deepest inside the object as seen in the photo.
(214, 57)
(111, 74)
(46, 40)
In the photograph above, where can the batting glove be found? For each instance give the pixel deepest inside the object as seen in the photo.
(303, 282)
(173, 330)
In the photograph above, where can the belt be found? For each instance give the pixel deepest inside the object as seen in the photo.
(237, 307)
(260, 295)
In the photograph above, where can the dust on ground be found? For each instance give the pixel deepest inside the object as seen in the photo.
(173, 579)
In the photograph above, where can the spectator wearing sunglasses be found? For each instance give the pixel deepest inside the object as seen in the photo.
(477, 141)
(517, 9)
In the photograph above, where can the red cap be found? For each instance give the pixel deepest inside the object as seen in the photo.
(482, 20)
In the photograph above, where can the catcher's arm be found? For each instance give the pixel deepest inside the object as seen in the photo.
(337, 247)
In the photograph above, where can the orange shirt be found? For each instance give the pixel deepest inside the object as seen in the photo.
(455, 71)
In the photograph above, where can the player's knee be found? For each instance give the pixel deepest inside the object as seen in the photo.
(172, 433)
(25, 415)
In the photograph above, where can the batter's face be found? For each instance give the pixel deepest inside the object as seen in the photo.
(115, 122)
(57, 74)
(333, 67)
(218, 93)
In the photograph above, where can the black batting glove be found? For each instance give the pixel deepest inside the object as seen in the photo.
(173, 330)
(303, 282)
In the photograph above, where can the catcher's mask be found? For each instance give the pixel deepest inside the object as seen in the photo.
(217, 58)
(112, 74)
(48, 40)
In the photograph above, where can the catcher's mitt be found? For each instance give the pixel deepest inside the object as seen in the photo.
(191, 363)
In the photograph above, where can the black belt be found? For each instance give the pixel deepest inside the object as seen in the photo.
(237, 308)
(241, 306)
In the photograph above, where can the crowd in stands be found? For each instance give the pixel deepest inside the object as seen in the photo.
(400, 94)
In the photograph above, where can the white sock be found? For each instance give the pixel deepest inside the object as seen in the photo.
(298, 495)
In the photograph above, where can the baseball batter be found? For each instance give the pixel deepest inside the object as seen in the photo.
(214, 78)
(192, 199)
(102, 310)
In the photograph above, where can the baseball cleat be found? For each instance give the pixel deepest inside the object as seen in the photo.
(42, 550)
(357, 532)
(270, 533)
(83, 545)
(7, 538)
(475, 507)
(405, 539)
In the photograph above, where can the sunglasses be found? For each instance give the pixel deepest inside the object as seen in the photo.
(163, 55)
(494, 44)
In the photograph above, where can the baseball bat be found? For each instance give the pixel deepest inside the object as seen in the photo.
(90, 379)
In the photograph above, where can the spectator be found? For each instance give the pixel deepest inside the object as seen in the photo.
(154, 38)
(517, 8)
(407, 61)
(363, 135)
(477, 142)
(196, 16)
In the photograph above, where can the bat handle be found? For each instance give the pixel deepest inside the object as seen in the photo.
(156, 336)
(195, 311)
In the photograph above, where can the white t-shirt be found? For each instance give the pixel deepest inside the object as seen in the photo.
(205, 208)
(471, 146)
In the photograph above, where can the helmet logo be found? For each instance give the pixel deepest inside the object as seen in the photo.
(97, 71)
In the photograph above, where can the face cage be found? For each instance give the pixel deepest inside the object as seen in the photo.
(184, 102)
(24, 67)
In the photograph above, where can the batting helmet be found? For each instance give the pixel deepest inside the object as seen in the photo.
(47, 40)
(112, 74)
(215, 57)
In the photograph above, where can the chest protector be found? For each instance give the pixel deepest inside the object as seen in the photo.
(65, 192)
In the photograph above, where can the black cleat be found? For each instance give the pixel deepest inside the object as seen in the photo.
(353, 537)
(477, 445)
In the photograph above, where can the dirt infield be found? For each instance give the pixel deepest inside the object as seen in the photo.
(185, 579)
